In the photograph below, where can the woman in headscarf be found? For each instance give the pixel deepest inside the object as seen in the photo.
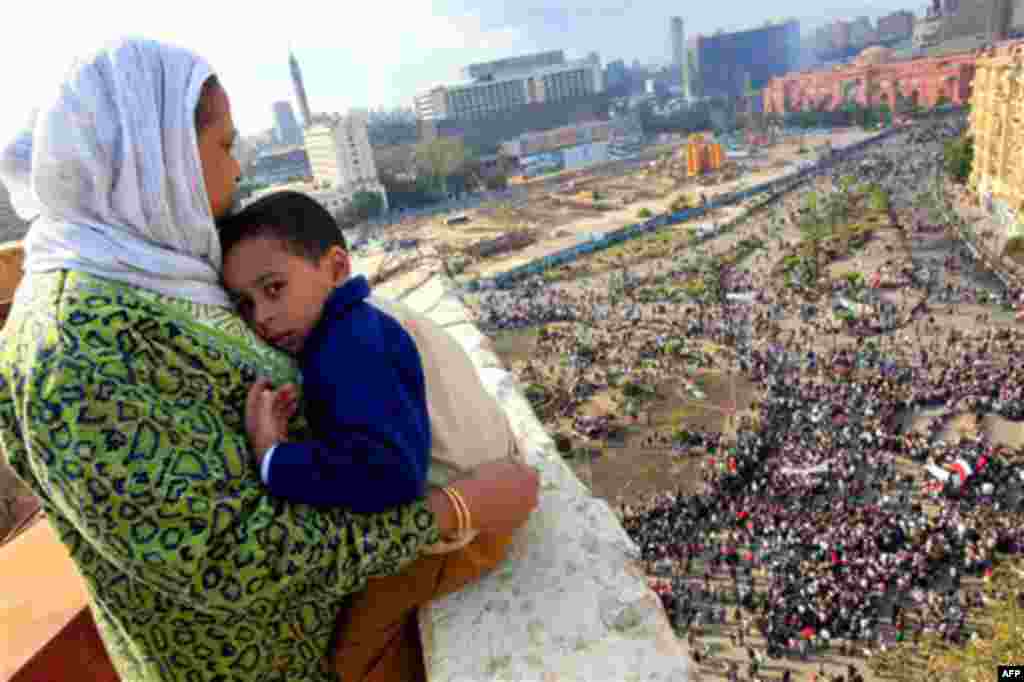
(124, 376)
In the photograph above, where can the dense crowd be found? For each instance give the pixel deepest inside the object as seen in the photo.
(812, 496)
(814, 501)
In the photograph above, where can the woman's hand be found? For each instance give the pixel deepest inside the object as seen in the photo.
(267, 412)
(500, 495)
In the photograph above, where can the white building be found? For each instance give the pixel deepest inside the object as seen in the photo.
(340, 155)
(508, 90)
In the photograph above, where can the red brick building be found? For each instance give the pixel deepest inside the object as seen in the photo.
(873, 80)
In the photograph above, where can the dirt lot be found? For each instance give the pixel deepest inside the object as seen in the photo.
(560, 222)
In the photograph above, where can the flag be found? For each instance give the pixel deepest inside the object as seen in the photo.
(962, 468)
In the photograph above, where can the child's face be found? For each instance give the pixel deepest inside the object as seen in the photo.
(280, 294)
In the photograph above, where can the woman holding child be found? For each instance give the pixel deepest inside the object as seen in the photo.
(125, 377)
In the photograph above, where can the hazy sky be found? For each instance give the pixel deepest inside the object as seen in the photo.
(365, 54)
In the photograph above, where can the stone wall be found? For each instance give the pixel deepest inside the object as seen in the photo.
(570, 602)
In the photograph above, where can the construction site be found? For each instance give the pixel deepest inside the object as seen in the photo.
(557, 211)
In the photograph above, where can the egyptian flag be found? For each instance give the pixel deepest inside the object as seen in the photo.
(962, 468)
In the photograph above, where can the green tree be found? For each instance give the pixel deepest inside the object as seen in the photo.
(959, 158)
(441, 158)
(885, 114)
(816, 225)
(878, 199)
(367, 205)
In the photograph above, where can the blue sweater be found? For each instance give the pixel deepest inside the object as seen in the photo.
(365, 398)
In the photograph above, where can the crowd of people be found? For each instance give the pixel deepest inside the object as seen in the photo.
(858, 529)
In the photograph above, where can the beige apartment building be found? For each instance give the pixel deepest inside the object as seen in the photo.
(997, 127)
(340, 155)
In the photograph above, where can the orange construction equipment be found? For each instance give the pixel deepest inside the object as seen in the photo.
(702, 156)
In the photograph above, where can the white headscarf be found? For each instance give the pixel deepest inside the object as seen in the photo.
(111, 168)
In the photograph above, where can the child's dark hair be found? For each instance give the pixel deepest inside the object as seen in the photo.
(305, 227)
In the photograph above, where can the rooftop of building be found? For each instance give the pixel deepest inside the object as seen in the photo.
(514, 75)
(756, 29)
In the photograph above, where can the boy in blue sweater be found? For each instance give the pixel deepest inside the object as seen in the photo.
(369, 368)
(285, 264)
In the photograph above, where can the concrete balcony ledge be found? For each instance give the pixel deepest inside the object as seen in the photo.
(570, 603)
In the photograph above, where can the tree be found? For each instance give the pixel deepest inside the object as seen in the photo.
(367, 205)
(816, 226)
(441, 158)
(899, 103)
(885, 114)
(959, 158)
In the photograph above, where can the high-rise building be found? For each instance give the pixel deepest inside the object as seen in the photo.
(616, 73)
(727, 62)
(509, 84)
(862, 33)
(597, 73)
(340, 154)
(678, 48)
(286, 128)
(970, 23)
(896, 26)
(300, 90)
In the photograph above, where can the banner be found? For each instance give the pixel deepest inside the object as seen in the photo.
(820, 469)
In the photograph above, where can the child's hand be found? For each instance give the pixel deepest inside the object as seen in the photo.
(267, 412)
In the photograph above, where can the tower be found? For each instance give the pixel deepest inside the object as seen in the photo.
(300, 89)
(285, 125)
(678, 47)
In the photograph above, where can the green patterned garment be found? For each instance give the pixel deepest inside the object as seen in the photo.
(124, 411)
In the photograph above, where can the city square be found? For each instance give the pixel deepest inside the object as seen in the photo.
(750, 317)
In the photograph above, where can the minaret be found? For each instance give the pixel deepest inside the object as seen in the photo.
(300, 89)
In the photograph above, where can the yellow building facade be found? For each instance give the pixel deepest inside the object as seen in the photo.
(997, 128)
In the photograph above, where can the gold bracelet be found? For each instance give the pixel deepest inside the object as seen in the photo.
(468, 525)
(461, 521)
(464, 535)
